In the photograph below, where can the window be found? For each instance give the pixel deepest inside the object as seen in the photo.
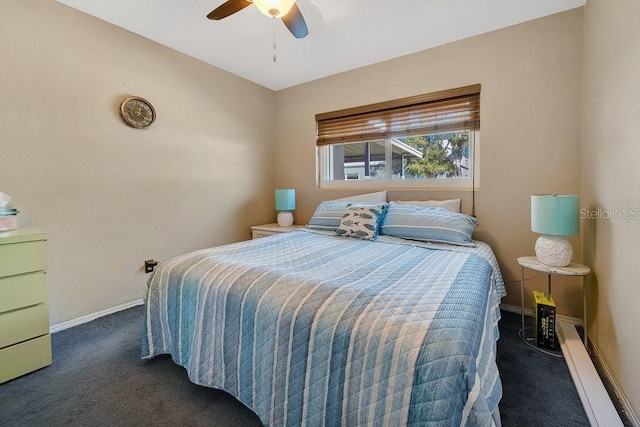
(426, 141)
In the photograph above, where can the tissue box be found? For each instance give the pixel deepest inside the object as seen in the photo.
(8, 218)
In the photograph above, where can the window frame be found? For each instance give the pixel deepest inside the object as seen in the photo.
(434, 113)
(453, 183)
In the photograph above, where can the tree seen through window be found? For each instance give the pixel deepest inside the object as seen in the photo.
(444, 155)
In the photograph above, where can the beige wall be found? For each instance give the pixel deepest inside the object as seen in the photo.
(610, 181)
(108, 195)
(530, 137)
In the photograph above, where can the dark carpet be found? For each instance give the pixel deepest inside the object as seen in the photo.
(537, 389)
(98, 379)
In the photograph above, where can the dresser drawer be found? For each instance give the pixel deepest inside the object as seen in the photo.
(22, 290)
(23, 257)
(25, 357)
(21, 325)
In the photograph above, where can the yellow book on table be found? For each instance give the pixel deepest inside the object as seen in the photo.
(544, 320)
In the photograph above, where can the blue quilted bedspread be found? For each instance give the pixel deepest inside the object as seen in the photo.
(310, 329)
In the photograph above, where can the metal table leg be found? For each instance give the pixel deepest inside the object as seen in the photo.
(584, 312)
(522, 300)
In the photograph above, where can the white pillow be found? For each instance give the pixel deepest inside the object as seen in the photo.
(380, 196)
(452, 205)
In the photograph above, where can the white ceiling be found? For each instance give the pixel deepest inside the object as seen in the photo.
(343, 34)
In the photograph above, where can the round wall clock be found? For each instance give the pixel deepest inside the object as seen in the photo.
(137, 112)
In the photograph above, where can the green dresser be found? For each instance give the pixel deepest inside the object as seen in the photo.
(25, 343)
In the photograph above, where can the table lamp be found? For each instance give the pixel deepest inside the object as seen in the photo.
(555, 216)
(285, 203)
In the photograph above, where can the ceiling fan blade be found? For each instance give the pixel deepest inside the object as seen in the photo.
(228, 8)
(295, 22)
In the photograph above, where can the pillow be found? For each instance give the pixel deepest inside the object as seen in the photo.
(328, 215)
(380, 196)
(428, 224)
(362, 221)
(452, 205)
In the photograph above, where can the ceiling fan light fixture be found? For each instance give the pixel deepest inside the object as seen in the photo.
(274, 8)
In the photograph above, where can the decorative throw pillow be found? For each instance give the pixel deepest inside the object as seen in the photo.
(362, 221)
(428, 224)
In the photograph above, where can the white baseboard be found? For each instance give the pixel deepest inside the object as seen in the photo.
(628, 409)
(595, 399)
(93, 316)
(529, 312)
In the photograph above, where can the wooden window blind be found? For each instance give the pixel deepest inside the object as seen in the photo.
(444, 111)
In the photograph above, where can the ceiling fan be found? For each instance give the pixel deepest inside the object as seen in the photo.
(287, 10)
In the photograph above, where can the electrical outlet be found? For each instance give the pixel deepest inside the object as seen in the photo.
(149, 265)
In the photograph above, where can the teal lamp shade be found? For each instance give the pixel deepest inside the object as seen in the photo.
(285, 203)
(554, 216)
(286, 200)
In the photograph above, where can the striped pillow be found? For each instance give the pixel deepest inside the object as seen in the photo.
(452, 205)
(428, 224)
(328, 215)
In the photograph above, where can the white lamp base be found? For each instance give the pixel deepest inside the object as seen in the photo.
(554, 250)
(285, 219)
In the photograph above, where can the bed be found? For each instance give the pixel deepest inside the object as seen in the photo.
(307, 328)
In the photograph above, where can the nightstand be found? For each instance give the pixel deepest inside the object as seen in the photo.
(258, 231)
(573, 269)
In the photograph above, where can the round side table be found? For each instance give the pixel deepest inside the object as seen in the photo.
(573, 269)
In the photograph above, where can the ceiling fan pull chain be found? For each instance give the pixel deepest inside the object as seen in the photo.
(274, 39)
